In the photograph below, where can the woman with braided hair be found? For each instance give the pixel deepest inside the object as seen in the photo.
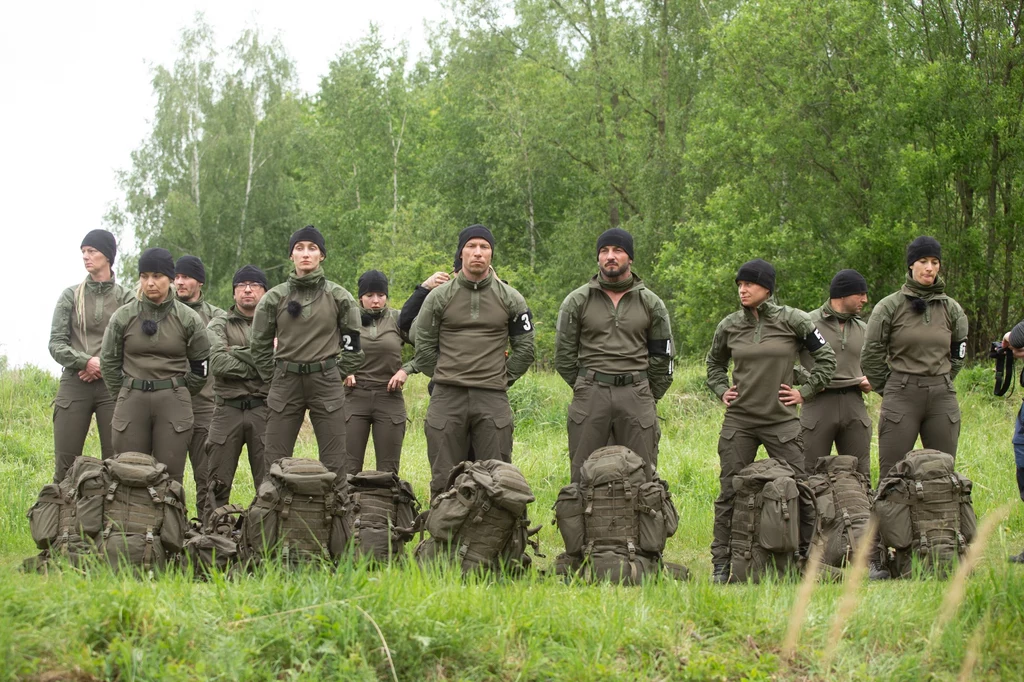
(915, 345)
(155, 357)
(79, 320)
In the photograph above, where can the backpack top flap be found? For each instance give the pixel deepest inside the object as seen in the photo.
(80, 466)
(374, 479)
(136, 469)
(835, 464)
(924, 465)
(612, 463)
(303, 476)
(503, 483)
(753, 476)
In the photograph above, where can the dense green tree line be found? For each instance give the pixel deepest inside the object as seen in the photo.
(817, 134)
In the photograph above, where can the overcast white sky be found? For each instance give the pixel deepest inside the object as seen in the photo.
(77, 100)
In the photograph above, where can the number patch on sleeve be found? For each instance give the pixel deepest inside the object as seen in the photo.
(520, 324)
(660, 347)
(814, 340)
(350, 342)
(199, 367)
(958, 350)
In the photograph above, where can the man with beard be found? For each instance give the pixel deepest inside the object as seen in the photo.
(189, 278)
(837, 414)
(614, 347)
(240, 415)
(462, 333)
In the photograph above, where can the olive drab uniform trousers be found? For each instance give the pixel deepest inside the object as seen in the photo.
(73, 408)
(458, 417)
(296, 387)
(602, 412)
(155, 420)
(235, 423)
(374, 406)
(913, 405)
(837, 415)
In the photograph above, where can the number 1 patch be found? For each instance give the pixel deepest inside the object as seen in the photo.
(520, 324)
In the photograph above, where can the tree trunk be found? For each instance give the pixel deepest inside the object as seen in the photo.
(248, 193)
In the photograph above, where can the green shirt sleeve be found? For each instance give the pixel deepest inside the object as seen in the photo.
(349, 324)
(958, 322)
(820, 373)
(427, 326)
(197, 349)
(567, 338)
(112, 350)
(717, 360)
(659, 368)
(224, 361)
(522, 346)
(874, 357)
(60, 333)
(261, 336)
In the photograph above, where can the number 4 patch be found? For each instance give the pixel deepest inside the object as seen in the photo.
(521, 324)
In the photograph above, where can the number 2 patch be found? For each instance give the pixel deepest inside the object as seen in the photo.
(521, 324)
(350, 342)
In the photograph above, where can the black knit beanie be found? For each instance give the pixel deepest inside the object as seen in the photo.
(307, 234)
(249, 273)
(847, 283)
(191, 266)
(102, 241)
(157, 260)
(923, 247)
(616, 237)
(474, 232)
(373, 282)
(757, 271)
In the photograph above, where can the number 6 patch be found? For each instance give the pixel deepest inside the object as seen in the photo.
(958, 350)
(521, 324)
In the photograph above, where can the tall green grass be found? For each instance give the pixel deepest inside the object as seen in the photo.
(314, 624)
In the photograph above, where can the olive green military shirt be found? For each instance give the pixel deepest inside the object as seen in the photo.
(206, 312)
(901, 339)
(234, 370)
(764, 350)
(845, 333)
(326, 325)
(382, 342)
(463, 329)
(128, 352)
(634, 336)
(80, 319)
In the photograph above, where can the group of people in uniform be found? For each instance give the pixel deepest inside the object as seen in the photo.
(140, 359)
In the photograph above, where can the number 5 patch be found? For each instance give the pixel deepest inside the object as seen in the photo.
(814, 340)
(520, 324)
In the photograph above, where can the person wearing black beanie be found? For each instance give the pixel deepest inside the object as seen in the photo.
(837, 414)
(76, 334)
(155, 355)
(763, 340)
(240, 414)
(373, 394)
(189, 280)
(613, 346)
(916, 344)
(305, 339)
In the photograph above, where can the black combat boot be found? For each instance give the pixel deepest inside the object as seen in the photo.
(720, 574)
(877, 572)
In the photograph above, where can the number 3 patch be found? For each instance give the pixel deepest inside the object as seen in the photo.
(521, 324)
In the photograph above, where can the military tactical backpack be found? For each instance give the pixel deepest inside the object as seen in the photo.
(381, 511)
(615, 521)
(52, 518)
(297, 516)
(766, 520)
(131, 511)
(924, 513)
(216, 547)
(480, 521)
(842, 509)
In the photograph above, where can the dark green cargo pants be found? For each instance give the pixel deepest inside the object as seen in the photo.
(601, 414)
(202, 414)
(837, 416)
(916, 405)
(231, 428)
(737, 447)
(158, 423)
(383, 411)
(73, 408)
(458, 417)
(291, 394)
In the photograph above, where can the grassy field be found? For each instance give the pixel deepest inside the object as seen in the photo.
(410, 624)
